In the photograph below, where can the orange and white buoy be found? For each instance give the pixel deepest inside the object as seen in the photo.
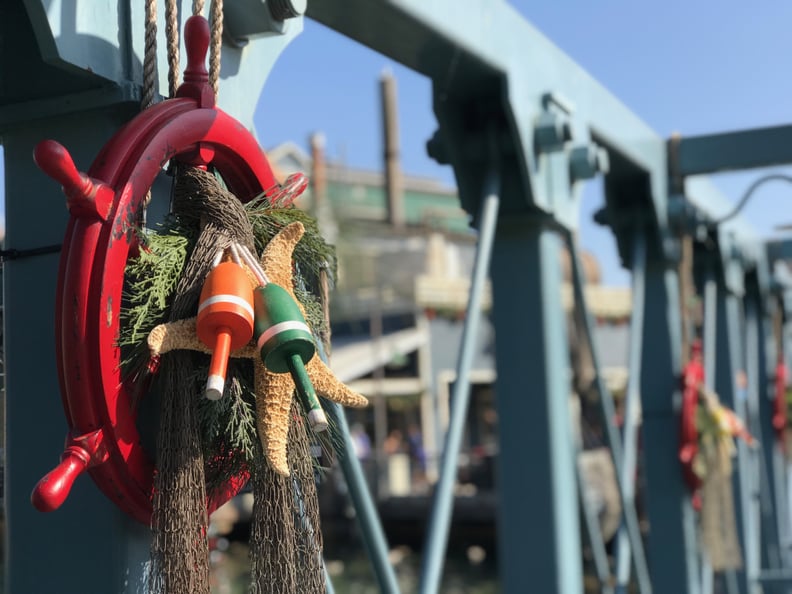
(225, 319)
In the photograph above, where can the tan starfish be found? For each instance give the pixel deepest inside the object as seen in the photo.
(274, 391)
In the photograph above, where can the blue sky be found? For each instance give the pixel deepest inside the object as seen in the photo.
(693, 67)
(689, 66)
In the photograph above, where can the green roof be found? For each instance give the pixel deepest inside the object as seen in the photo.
(356, 202)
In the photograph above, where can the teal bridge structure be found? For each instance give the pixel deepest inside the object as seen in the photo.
(524, 127)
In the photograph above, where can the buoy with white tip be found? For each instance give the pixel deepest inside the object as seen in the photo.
(225, 319)
(284, 340)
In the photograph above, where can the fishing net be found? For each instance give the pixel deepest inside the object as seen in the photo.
(285, 540)
(285, 543)
(718, 521)
(179, 549)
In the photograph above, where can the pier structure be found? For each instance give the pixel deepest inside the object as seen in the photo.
(524, 127)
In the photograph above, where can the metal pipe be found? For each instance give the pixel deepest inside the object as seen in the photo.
(596, 541)
(761, 500)
(632, 399)
(365, 510)
(612, 435)
(443, 501)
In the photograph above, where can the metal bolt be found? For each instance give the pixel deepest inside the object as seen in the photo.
(587, 161)
(551, 132)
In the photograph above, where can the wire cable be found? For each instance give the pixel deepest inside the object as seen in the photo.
(749, 192)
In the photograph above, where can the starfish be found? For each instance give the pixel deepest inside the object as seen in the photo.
(274, 391)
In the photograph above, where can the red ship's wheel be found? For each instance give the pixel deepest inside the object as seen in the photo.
(105, 206)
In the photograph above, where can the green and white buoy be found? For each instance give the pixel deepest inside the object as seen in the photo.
(284, 340)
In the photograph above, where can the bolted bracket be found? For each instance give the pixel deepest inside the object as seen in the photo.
(248, 19)
(587, 161)
(553, 128)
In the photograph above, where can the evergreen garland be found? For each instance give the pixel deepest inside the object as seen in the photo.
(228, 426)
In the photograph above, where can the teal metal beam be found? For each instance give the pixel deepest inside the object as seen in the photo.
(468, 46)
(539, 547)
(732, 151)
(671, 547)
(779, 249)
(88, 48)
(23, 113)
(760, 374)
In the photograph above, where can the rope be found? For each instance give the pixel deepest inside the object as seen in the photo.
(172, 39)
(215, 44)
(687, 296)
(172, 36)
(150, 55)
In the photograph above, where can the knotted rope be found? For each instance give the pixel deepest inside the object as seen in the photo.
(150, 56)
(215, 43)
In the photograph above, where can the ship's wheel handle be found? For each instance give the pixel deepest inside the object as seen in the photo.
(84, 196)
(81, 452)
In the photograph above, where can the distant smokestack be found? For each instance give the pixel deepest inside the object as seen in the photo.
(393, 177)
(318, 171)
(321, 208)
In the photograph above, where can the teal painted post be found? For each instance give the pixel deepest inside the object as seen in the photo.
(87, 545)
(728, 362)
(443, 500)
(761, 393)
(672, 548)
(537, 516)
